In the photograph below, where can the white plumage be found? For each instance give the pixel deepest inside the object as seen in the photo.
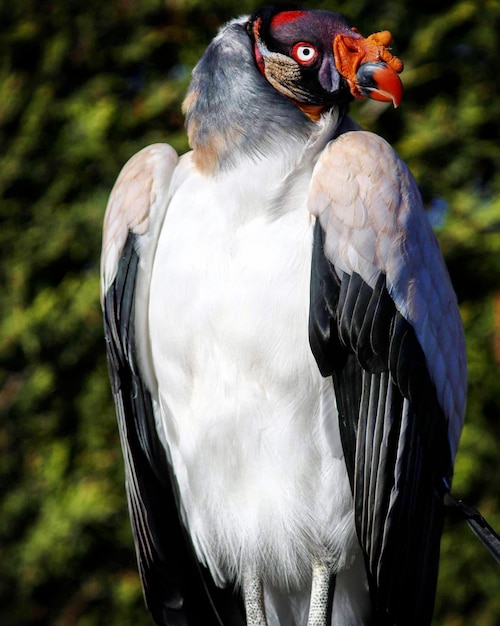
(238, 384)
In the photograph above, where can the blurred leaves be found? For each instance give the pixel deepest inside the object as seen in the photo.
(82, 87)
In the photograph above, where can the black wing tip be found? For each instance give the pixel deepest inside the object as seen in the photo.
(477, 523)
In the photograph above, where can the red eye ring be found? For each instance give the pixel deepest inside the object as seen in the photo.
(304, 53)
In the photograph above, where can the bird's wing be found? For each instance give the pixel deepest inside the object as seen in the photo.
(384, 323)
(176, 589)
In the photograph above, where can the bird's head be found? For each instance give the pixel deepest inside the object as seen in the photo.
(250, 89)
(317, 60)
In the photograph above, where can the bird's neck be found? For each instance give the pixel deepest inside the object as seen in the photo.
(234, 115)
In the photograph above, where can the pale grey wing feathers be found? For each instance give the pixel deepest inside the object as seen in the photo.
(138, 197)
(371, 212)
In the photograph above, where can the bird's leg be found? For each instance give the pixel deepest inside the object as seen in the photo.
(323, 586)
(254, 600)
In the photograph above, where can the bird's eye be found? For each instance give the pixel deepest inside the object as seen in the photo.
(304, 53)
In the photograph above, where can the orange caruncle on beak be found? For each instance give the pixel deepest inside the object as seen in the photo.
(379, 80)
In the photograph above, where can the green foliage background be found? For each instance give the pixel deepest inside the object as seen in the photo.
(83, 85)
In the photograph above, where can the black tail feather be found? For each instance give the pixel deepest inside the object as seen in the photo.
(480, 527)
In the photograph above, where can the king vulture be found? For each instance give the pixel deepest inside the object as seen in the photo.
(285, 347)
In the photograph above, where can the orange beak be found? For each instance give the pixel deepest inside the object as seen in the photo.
(369, 67)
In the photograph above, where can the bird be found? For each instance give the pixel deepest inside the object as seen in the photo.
(285, 347)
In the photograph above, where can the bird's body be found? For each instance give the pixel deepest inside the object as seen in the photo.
(287, 252)
(252, 452)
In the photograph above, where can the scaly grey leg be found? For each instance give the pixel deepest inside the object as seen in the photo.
(323, 585)
(254, 600)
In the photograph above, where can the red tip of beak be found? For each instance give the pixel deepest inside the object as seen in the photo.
(379, 82)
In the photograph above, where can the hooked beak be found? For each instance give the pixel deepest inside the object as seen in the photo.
(368, 66)
(379, 82)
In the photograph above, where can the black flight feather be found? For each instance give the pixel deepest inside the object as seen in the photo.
(393, 434)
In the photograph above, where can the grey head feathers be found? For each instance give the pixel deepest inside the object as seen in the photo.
(232, 111)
